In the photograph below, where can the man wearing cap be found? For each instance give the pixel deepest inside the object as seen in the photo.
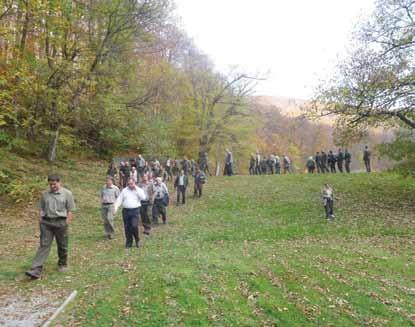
(109, 194)
(130, 200)
(56, 212)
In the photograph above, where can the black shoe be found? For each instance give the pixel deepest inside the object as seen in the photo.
(33, 273)
(146, 232)
(137, 245)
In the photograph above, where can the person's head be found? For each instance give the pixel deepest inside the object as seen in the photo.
(318, 152)
(54, 182)
(330, 151)
(122, 163)
(131, 183)
(158, 180)
(346, 150)
(366, 147)
(110, 181)
(133, 168)
(326, 185)
(145, 178)
(197, 170)
(182, 172)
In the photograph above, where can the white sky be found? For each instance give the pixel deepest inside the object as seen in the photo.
(297, 42)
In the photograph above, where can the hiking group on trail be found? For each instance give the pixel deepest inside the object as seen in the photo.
(321, 163)
(144, 189)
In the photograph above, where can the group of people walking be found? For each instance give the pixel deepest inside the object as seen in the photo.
(262, 165)
(336, 162)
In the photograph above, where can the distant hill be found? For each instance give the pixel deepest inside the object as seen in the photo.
(288, 106)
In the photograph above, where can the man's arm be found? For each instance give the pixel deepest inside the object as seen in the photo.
(118, 202)
(69, 217)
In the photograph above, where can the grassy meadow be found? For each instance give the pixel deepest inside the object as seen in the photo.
(254, 251)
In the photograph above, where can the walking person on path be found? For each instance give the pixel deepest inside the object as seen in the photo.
(200, 180)
(180, 184)
(160, 201)
(147, 187)
(109, 194)
(56, 212)
(366, 158)
(130, 200)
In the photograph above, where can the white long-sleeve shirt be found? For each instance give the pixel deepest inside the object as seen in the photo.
(130, 199)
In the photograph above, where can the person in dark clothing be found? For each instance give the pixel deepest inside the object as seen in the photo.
(366, 158)
(331, 159)
(324, 168)
(328, 201)
(180, 184)
(311, 165)
(347, 160)
(264, 166)
(112, 170)
(340, 159)
(200, 180)
(317, 160)
(228, 163)
(252, 165)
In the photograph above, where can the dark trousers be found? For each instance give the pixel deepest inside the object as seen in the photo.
(367, 165)
(324, 168)
(251, 170)
(50, 229)
(340, 165)
(145, 217)
(181, 192)
(257, 170)
(159, 209)
(328, 206)
(348, 166)
(130, 218)
(198, 189)
(277, 169)
(311, 170)
(228, 169)
(332, 167)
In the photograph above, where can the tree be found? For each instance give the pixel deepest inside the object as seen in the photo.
(376, 84)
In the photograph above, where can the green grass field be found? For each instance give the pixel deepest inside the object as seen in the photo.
(254, 251)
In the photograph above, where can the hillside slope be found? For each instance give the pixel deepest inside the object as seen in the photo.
(253, 251)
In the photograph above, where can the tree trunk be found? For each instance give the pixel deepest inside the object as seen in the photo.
(53, 145)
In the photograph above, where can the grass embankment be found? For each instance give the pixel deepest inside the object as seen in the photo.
(254, 251)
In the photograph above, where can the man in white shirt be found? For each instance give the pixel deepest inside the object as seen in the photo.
(130, 199)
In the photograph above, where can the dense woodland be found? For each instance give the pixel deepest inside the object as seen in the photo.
(106, 77)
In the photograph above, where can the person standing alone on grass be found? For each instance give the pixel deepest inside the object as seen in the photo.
(200, 180)
(130, 200)
(56, 212)
(366, 158)
(328, 201)
(160, 201)
(180, 184)
(109, 194)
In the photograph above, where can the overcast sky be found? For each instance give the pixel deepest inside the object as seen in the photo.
(297, 42)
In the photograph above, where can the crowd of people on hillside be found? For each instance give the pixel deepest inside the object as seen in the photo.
(322, 162)
(140, 187)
